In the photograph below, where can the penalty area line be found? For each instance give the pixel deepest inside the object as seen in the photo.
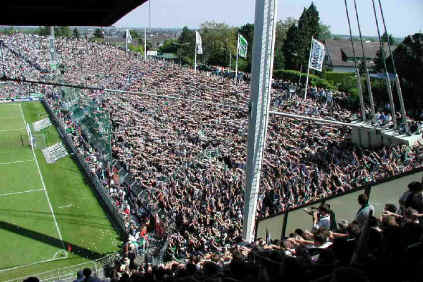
(23, 192)
(15, 129)
(17, 162)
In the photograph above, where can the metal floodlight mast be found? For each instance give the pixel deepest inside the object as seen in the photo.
(261, 82)
(397, 81)
(369, 86)
(387, 79)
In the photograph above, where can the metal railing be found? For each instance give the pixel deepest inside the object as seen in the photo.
(69, 273)
(98, 186)
(344, 205)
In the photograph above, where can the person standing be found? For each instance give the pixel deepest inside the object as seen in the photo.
(365, 209)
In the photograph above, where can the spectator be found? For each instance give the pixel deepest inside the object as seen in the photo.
(365, 210)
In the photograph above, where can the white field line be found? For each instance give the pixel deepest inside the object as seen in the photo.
(15, 193)
(44, 186)
(26, 265)
(65, 206)
(15, 129)
(17, 162)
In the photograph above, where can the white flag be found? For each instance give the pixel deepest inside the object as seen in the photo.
(128, 36)
(198, 43)
(317, 55)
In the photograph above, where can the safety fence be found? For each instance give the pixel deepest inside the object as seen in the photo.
(100, 190)
(69, 273)
(344, 205)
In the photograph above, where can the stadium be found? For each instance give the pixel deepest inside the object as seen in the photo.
(119, 167)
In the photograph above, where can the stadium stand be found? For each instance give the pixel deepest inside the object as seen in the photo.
(194, 155)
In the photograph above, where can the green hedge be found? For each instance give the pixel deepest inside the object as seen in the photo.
(337, 77)
(294, 76)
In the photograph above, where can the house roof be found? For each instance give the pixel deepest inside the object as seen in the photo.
(340, 49)
(66, 13)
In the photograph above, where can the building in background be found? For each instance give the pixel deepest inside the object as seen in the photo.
(339, 54)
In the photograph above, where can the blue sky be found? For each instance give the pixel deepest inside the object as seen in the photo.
(403, 17)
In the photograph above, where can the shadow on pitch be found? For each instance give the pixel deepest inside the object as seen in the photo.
(67, 218)
(77, 250)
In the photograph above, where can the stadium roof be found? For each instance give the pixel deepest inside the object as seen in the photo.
(66, 13)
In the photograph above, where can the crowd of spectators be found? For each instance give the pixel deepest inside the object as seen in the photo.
(367, 249)
(194, 153)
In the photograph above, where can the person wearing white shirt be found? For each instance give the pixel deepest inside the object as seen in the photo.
(321, 218)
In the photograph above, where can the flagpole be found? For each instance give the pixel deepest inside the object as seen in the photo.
(301, 70)
(236, 65)
(126, 41)
(145, 43)
(195, 58)
(308, 69)
(230, 60)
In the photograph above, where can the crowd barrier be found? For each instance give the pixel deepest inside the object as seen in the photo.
(98, 186)
(19, 99)
(69, 273)
(344, 205)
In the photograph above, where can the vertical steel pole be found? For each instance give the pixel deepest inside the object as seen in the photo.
(387, 79)
(397, 81)
(145, 43)
(261, 82)
(357, 71)
(195, 58)
(308, 69)
(126, 41)
(369, 86)
(236, 63)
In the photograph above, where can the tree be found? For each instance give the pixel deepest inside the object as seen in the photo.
(388, 38)
(290, 48)
(324, 32)
(62, 31)
(379, 61)
(98, 33)
(282, 28)
(169, 46)
(219, 42)
(10, 30)
(308, 27)
(75, 33)
(43, 31)
(134, 34)
(186, 45)
(409, 64)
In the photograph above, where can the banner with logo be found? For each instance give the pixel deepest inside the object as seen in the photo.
(317, 55)
(242, 46)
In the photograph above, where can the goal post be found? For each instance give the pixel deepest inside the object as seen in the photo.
(37, 140)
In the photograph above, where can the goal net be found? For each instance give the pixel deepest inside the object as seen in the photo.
(36, 139)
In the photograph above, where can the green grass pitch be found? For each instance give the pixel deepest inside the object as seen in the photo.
(44, 208)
